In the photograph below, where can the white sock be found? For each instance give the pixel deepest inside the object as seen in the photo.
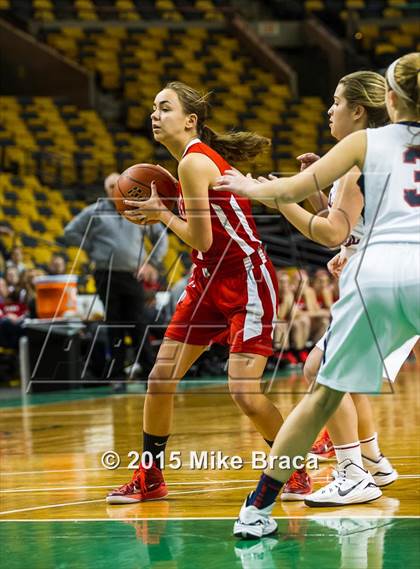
(351, 451)
(370, 447)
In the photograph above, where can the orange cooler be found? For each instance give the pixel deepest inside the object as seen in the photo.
(56, 295)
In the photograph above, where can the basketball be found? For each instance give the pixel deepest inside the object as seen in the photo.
(135, 183)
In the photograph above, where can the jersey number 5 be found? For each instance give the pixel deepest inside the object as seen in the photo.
(412, 196)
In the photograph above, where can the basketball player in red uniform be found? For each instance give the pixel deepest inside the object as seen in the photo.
(232, 293)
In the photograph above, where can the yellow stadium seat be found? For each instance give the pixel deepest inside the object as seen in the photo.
(383, 48)
(314, 5)
(355, 4)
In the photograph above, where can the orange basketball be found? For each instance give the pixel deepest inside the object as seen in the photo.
(135, 183)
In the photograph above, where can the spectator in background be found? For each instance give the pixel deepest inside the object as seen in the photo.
(306, 301)
(4, 254)
(57, 264)
(292, 331)
(12, 278)
(322, 286)
(116, 246)
(12, 314)
(16, 259)
(27, 291)
(4, 291)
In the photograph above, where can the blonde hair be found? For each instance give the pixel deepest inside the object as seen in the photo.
(406, 74)
(367, 89)
(232, 146)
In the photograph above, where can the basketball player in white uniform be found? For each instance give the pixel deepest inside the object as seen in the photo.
(359, 102)
(379, 305)
(392, 363)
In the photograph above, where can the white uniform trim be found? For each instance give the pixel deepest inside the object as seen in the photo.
(191, 142)
(269, 282)
(254, 308)
(242, 219)
(226, 225)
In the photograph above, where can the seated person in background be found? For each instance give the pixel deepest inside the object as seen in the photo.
(12, 314)
(292, 332)
(323, 288)
(12, 278)
(306, 300)
(4, 254)
(4, 291)
(57, 264)
(27, 293)
(16, 259)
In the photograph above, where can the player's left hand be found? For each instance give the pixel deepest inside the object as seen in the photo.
(146, 210)
(235, 182)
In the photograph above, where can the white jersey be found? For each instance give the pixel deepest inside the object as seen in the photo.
(392, 184)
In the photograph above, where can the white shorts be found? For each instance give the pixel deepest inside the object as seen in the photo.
(392, 363)
(377, 313)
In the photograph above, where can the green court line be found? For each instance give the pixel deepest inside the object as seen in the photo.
(324, 542)
(135, 388)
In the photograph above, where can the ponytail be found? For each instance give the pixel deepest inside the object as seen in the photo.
(235, 146)
(232, 146)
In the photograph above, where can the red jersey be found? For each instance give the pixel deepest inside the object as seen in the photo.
(235, 234)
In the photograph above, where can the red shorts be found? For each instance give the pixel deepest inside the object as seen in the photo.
(238, 309)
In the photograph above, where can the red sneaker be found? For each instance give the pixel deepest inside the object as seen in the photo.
(290, 358)
(303, 356)
(297, 487)
(323, 448)
(146, 484)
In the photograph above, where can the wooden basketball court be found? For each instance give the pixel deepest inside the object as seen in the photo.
(53, 485)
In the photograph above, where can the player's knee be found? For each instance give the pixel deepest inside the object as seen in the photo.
(327, 400)
(161, 382)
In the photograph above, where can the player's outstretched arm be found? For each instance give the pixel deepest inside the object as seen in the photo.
(340, 159)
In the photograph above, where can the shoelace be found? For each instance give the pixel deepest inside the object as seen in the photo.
(339, 476)
(138, 482)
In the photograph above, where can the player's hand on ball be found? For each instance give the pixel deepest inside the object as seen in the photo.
(145, 210)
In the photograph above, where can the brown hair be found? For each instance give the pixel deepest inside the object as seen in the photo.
(233, 146)
(407, 77)
(367, 89)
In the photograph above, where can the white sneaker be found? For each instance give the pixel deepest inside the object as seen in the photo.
(382, 470)
(352, 485)
(254, 523)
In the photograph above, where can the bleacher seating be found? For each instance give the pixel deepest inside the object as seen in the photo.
(62, 143)
(124, 10)
(37, 214)
(139, 62)
(382, 30)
